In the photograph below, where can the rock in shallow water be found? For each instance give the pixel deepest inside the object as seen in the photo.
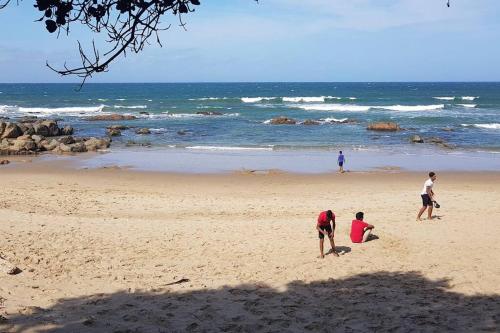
(383, 126)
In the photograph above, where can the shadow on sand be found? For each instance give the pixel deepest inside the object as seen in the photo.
(383, 302)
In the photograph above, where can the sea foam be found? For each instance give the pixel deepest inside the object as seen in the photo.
(469, 98)
(256, 99)
(412, 107)
(130, 106)
(73, 109)
(468, 105)
(486, 126)
(334, 107)
(446, 98)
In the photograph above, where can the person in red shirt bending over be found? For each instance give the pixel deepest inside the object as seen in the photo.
(360, 230)
(325, 229)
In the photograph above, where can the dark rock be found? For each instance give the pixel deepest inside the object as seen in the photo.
(182, 132)
(2, 128)
(4, 162)
(67, 130)
(37, 138)
(114, 132)
(416, 139)
(67, 140)
(434, 140)
(41, 129)
(143, 131)
(310, 122)
(111, 117)
(118, 127)
(78, 147)
(27, 128)
(383, 126)
(210, 113)
(283, 121)
(52, 127)
(144, 112)
(11, 131)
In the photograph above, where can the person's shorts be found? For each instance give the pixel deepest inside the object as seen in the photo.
(341, 163)
(426, 200)
(328, 229)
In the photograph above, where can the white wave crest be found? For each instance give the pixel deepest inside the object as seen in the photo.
(73, 109)
(334, 107)
(208, 98)
(486, 126)
(469, 98)
(468, 105)
(228, 148)
(412, 108)
(305, 99)
(121, 99)
(195, 115)
(130, 106)
(334, 120)
(445, 98)
(256, 99)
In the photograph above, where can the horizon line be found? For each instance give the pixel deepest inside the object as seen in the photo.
(240, 82)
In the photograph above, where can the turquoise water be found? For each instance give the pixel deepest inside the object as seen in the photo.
(470, 110)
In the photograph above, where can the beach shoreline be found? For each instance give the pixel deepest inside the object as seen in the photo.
(100, 247)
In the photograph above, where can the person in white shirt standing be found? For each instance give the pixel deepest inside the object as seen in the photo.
(427, 195)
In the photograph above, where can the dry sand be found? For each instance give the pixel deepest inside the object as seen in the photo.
(101, 250)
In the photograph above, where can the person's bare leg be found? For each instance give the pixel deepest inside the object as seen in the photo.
(332, 243)
(422, 210)
(429, 213)
(366, 234)
(321, 241)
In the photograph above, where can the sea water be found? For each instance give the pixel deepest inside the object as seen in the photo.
(235, 117)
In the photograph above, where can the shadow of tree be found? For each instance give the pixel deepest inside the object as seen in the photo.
(383, 301)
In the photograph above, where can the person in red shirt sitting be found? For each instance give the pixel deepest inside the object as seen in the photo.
(325, 229)
(360, 230)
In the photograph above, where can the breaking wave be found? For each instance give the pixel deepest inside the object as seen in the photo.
(130, 106)
(469, 98)
(468, 105)
(445, 98)
(412, 107)
(256, 99)
(74, 109)
(486, 126)
(228, 148)
(334, 107)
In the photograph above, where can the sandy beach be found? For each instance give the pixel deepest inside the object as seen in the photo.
(114, 250)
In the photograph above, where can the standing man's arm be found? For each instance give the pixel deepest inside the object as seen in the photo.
(429, 192)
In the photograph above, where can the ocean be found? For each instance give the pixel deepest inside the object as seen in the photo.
(236, 116)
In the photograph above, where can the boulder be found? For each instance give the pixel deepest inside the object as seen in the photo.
(27, 128)
(49, 145)
(12, 131)
(111, 117)
(94, 144)
(67, 140)
(383, 126)
(4, 162)
(37, 138)
(66, 130)
(23, 144)
(283, 121)
(2, 128)
(78, 147)
(310, 122)
(41, 129)
(52, 126)
(416, 139)
(118, 127)
(143, 131)
(210, 113)
(114, 132)
(63, 148)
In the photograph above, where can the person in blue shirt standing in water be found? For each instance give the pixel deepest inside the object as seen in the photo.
(340, 161)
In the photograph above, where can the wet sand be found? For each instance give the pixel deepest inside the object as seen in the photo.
(113, 250)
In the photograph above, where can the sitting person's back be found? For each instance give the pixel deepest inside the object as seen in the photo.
(360, 230)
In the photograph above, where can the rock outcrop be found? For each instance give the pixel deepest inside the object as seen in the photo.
(32, 136)
(310, 122)
(283, 121)
(416, 139)
(383, 126)
(143, 131)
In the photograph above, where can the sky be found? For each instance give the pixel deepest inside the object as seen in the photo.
(280, 40)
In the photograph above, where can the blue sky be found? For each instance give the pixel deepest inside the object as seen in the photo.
(282, 40)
